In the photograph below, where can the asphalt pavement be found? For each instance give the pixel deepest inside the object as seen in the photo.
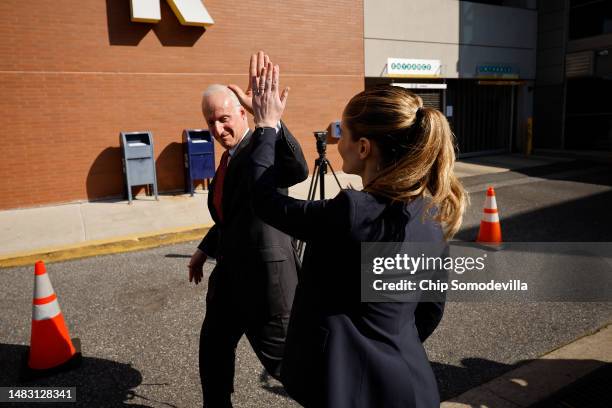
(139, 319)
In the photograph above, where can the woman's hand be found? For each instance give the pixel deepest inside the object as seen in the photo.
(258, 61)
(268, 105)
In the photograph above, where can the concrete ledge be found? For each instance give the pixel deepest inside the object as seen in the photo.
(126, 243)
(538, 379)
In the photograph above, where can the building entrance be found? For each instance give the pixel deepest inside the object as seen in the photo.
(483, 116)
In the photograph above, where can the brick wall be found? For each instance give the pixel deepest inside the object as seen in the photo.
(73, 77)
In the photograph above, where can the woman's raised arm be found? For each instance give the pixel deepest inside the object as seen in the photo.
(299, 218)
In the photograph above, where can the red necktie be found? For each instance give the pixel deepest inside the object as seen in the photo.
(219, 178)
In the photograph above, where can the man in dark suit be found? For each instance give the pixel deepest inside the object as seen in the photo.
(251, 288)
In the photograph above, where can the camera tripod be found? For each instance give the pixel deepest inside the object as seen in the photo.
(318, 176)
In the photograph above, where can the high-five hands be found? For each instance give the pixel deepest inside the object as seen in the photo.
(257, 64)
(268, 104)
(258, 61)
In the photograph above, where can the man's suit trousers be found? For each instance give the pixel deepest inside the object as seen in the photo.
(235, 305)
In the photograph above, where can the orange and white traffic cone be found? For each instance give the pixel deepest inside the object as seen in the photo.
(51, 348)
(490, 228)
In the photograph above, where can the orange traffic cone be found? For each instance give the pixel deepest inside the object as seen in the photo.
(51, 348)
(490, 229)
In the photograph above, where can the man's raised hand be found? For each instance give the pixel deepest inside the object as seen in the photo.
(258, 61)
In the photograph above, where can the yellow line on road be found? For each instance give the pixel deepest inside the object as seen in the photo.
(115, 245)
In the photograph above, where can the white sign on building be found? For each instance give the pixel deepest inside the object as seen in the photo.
(405, 67)
(189, 12)
(420, 86)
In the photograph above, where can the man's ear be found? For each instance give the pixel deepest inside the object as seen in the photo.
(365, 148)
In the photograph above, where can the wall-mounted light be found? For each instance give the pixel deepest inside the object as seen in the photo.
(603, 53)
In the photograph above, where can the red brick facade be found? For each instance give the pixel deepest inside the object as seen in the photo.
(75, 74)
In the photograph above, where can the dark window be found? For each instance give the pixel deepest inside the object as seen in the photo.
(492, 2)
(589, 18)
(588, 121)
(529, 4)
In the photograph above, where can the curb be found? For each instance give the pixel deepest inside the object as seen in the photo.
(537, 380)
(115, 245)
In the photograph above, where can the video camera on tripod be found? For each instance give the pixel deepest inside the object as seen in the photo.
(330, 136)
(320, 167)
(321, 137)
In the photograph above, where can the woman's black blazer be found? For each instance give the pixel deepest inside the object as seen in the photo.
(341, 352)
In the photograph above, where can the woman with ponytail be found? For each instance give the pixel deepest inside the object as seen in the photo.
(341, 352)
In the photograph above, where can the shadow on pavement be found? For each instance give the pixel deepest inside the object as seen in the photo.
(177, 256)
(579, 171)
(514, 161)
(584, 220)
(591, 391)
(453, 380)
(98, 382)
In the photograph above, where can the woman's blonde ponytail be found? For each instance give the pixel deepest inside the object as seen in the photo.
(418, 149)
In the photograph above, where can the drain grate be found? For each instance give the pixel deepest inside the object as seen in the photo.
(592, 391)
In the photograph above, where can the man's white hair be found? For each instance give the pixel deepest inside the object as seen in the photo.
(218, 88)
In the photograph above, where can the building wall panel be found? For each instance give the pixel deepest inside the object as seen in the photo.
(75, 74)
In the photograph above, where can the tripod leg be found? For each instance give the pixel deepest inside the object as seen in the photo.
(311, 196)
(334, 173)
(315, 177)
(313, 183)
(322, 171)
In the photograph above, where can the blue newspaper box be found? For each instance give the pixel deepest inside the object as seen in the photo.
(199, 150)
(138, 161)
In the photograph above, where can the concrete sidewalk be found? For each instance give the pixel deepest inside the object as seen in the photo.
(74, 230)
(536, 380)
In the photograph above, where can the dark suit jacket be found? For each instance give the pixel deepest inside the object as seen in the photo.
(244, 244)
(341, 352)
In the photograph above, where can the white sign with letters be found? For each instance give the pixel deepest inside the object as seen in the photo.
(420, 86)
(413, 67)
